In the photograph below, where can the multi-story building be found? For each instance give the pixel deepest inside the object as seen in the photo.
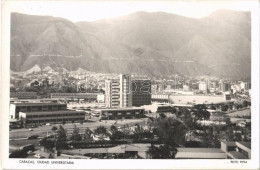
(85, 96)
(160, 98)
(119, 113)
(23, 95)
(224, 86)
(57, 116)
(112, 93)
(245, 85)
(203, 86)
(141, 92)
(186, 87)
(44, 112)
(125, 90)
(15, 108)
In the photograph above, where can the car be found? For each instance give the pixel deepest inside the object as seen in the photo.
(30, 129)
(48, 124)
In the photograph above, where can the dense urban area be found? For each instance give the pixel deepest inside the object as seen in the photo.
(60, 114)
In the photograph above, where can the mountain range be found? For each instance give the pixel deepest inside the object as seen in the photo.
(155, 43)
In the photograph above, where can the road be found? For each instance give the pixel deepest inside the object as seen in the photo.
(44, 130)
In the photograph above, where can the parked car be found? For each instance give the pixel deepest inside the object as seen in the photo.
(48, 124)
(30, 129)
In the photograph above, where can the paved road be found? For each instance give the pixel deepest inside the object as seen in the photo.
(44, 130)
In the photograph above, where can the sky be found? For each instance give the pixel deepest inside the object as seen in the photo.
(96, 10)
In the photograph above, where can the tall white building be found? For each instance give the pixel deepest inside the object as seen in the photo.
(118, 92)
(203, 86)
(125, 90)
(112, 93)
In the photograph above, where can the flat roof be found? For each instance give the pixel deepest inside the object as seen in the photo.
(36, 104)
(120, 109)
(229, 143)
(183, 105)
(205, 150)
(14, 120)
(237, 155)
(55, 111)
(116, 149)
(200, 153)
(75, 93)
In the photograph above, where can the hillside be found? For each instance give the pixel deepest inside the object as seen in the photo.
(148, 43)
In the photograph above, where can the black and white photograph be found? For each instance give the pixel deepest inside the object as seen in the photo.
(127, 80)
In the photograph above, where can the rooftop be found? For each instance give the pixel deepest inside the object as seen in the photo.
(237, 155)
(229, 143)
(121, 109)
(200, 153)
(37, 104)
(204, 150)
(55, 111)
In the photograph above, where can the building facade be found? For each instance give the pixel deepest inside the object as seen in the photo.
(127, 92)
(224, 86)
(15, 108)
(119, 113)
(23, 95)
(141, 92)
(85, 96)
(112, 93)
(57, 116)
(203, 86)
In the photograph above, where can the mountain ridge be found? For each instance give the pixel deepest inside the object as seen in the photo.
(147, 43)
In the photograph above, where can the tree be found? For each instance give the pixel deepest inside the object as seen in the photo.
(18, 154)
(138, 132)
(117, 135)
(54, 128)
(63, 122)
(245, 103)
(48, 144)
(101, 130)
(224, 108)
(212, 107)
(61, 138)
(162, 152)
(75, 134)
(229, 134)
(88, 135)
(170, 131)
(113, 128)
(200, 112)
